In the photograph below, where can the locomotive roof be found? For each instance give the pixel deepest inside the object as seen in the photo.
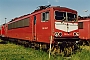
(54, 7)
(83, 18)
(43, 8)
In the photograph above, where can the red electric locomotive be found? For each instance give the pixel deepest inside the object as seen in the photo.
(84, 27)
(48, 24)
(2, 30)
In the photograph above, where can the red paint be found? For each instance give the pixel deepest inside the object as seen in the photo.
(3, 30)
(85, 32)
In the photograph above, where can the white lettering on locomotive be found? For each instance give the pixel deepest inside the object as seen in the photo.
(45, 28)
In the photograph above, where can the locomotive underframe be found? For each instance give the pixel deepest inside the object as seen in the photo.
(84, 42)
(63, 47)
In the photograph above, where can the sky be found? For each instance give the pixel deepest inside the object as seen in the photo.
(15, 8)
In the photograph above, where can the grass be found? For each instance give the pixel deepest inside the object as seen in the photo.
(83, 55)
(16, 52)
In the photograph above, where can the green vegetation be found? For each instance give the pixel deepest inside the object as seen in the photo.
(16, 52)
(83, 55)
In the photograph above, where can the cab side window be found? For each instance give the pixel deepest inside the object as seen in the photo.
(80, 25)
(45, 16)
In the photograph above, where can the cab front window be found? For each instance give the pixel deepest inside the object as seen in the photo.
(59, 15)
(71, 16)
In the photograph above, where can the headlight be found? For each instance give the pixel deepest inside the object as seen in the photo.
(60, 34)
(56, 34)
(76, 34)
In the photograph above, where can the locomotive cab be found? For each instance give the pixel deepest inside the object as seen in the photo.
(66, 25)
(58, 22)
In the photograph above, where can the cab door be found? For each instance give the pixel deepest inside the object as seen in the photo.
(43, 27)
(34, 28)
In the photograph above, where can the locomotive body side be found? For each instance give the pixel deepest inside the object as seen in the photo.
(37, 30)
(20, 28)
(84, 27)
